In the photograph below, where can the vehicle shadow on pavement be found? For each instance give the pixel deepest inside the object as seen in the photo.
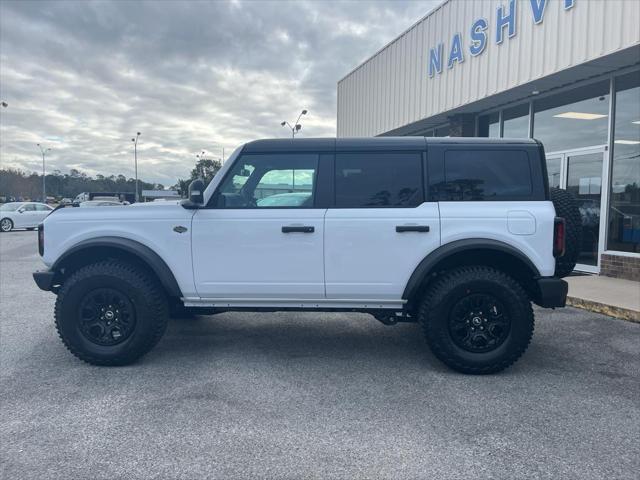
(302, 337)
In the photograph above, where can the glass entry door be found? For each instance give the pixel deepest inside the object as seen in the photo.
(580, 172)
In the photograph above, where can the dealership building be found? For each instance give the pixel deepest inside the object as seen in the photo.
(566, 72)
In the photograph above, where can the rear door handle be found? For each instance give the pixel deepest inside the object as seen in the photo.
(298, 229)
(412, 228)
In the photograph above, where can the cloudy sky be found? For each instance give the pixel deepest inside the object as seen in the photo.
(83, 77)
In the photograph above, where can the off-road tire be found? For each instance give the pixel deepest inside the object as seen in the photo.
(141, 289)
(567, 208)
(4, 222)
(453, 286)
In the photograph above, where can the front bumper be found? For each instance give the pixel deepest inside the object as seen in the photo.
(44, 279)
(552, 292)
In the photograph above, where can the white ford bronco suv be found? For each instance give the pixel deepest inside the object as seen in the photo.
(460, 235)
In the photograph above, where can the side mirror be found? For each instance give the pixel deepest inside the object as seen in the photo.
(196, 192)
(196, 196)
(21, 210)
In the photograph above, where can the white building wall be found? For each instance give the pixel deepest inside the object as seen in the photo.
(393, 88)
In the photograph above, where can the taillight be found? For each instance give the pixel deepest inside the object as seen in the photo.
(41, 239)
(559, 236)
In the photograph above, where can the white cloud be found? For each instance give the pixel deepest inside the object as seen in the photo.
(83, 77)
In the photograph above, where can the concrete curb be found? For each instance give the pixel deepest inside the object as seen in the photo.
(617, 312)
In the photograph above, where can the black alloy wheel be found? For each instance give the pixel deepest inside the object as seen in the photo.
(479, 323)
(107, 316)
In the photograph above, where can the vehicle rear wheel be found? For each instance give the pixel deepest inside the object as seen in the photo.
(477, 320)
(567, 208)
(111, 313)
(6, 225)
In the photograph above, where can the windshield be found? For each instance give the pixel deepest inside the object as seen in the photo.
(10, 207)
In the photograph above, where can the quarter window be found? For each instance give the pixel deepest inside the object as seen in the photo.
(485, 175)
(373, 180)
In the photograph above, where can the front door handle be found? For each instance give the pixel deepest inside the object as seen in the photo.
(412, 228)
(298, 229)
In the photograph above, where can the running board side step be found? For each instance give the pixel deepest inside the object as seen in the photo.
(312, 304)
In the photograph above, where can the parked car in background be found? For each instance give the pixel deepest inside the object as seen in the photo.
(293, 199)
(22, 215)
(101, 203)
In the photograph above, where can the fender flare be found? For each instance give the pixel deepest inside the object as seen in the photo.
(425, 267)
(144, 253)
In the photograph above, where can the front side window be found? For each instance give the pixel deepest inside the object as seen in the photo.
(372, 180)
(9, 207)
(43, 208)
(472, 175)
(28, 207)
(270, 181)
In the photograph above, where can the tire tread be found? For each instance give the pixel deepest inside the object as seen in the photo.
(450, 280)
(153, 292)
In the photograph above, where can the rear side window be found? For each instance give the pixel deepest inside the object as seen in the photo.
(476, 175)
(378, 179)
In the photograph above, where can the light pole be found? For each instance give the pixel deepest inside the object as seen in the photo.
(43, 151)
(296, 126)
(135, 159)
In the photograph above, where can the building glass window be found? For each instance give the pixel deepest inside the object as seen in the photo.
(516, 122)
(624, 203)
(441, 131)
(573, 119)
(489, 125)
(553, 171)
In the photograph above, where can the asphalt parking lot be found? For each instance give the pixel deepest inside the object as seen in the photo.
(310, 396)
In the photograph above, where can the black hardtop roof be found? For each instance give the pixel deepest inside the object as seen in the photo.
(373, 143)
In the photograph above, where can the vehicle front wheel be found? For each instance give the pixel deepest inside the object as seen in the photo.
(477, 319)
(111, 313)
(6, 225)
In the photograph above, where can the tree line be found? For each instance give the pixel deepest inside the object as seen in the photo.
(21, 185)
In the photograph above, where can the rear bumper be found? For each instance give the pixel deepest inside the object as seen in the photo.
(552, 292)
(44, 279)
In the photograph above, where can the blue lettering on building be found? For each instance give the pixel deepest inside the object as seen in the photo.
(506, 26)
(537, 9)
(478, 37)
(435, 60)
(455, 55)
(506, 20)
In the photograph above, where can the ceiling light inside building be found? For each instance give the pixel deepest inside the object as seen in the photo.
(627, 142)
(580, 115)
(637, 122)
